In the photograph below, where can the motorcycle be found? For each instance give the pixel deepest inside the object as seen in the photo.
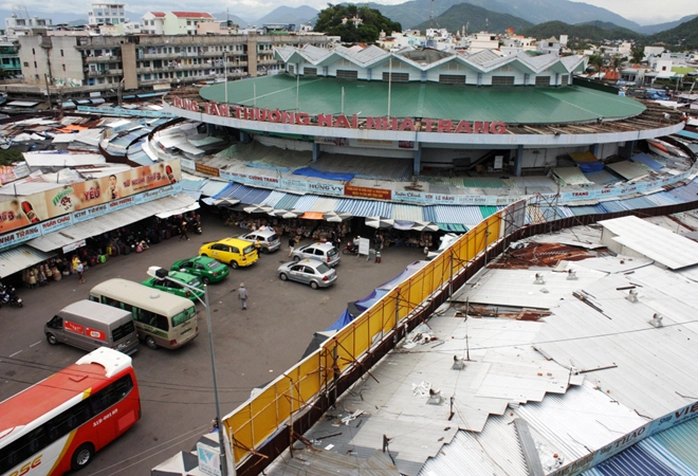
(351, 249)
(8, 295)
(197, 228)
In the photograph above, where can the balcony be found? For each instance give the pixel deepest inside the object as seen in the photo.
(106, 72)
(103, 59)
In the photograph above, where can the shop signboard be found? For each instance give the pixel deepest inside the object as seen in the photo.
(117, 190)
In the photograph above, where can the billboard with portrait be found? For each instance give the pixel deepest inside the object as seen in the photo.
(25, 210)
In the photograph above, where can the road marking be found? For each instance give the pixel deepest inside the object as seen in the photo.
(12, 355)
(36, 343)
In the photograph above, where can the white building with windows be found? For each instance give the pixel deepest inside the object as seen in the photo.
(16, 26)
(153, 23)
(107, 14)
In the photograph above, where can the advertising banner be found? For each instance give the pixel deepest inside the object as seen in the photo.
(367, 192)
(116, 190)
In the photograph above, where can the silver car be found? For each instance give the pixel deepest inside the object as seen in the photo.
(268, 240)
(324, 252)
(308, 271)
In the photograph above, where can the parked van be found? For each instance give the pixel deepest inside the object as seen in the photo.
(90, 325)
(233, 251)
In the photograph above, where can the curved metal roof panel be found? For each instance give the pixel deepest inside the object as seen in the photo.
(513, 105)
(273, 198)
(288, 202)
(306, 202)
(614, 206)
(408, 212)
(249, 195)
(663, 198)
(365, 208)
(324, 204)
(466, 215)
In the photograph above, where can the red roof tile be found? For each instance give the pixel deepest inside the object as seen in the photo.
(192, 15)
(158, 14)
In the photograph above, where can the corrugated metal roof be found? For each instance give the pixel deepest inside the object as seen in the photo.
(420, 99)
(288, 202)
(571, 176)
(647, 161)
(274, 197)
(466, 215)
(638, 203)
(687, 193)
(515, 287)
(662, 198)
(486, 211)
(612, 206)
(602, 177)
(629, 170)
(213, 187)
(248, 195)
(584, 417)
(407, 213)
(305, 202)
(655, 242)
(671, 452)
(491, 452)
(365, 208)
(587, 210)
(22, 257)
(324, 204)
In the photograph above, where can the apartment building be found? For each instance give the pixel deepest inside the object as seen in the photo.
(107, 14)
(141, 62)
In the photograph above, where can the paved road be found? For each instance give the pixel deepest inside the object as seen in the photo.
(252, 347)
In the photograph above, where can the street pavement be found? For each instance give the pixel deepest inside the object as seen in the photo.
(252, 347)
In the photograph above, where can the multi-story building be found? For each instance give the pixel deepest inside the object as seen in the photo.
(10, 65)
(107, 14)
(184, 23)
(153, 23)
(140, 62)
(16, 26)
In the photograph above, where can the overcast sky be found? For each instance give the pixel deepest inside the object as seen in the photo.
(640, 11)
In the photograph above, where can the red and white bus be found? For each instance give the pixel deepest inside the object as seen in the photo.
(59, 423)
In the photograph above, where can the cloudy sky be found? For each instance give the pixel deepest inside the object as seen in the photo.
(641, 11)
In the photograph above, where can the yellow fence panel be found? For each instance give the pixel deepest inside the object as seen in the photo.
(256, 420)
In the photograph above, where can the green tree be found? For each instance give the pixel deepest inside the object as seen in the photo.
(597, 62)
(616, 62)
(330, 21)
(637, 55)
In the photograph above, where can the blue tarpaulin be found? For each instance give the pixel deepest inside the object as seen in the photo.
(311, 172)
(376, 294)
(644, 159)
(343, 320)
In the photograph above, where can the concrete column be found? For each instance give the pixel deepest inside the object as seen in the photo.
(594, 149)
(417, 162)
(316, 151)
(518, 160)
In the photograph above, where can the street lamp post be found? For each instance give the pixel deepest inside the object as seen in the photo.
(161, 273)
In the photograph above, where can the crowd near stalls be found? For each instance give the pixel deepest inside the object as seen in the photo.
(321, 230)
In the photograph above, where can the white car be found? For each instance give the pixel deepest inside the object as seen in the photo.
(325, 252)
(268, 239)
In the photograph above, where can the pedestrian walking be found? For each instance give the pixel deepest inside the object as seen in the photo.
(291, 245)
(242, 296)
(81, 271)
(183, 231)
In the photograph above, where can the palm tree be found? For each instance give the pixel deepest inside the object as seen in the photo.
(617, 62)
(637, 55)
(597, 61)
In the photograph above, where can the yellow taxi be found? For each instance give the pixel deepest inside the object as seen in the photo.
(232, 251)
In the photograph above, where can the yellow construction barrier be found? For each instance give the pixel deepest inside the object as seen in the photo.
(251, 424)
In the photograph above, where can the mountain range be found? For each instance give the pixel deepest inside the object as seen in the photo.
(418, 13)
